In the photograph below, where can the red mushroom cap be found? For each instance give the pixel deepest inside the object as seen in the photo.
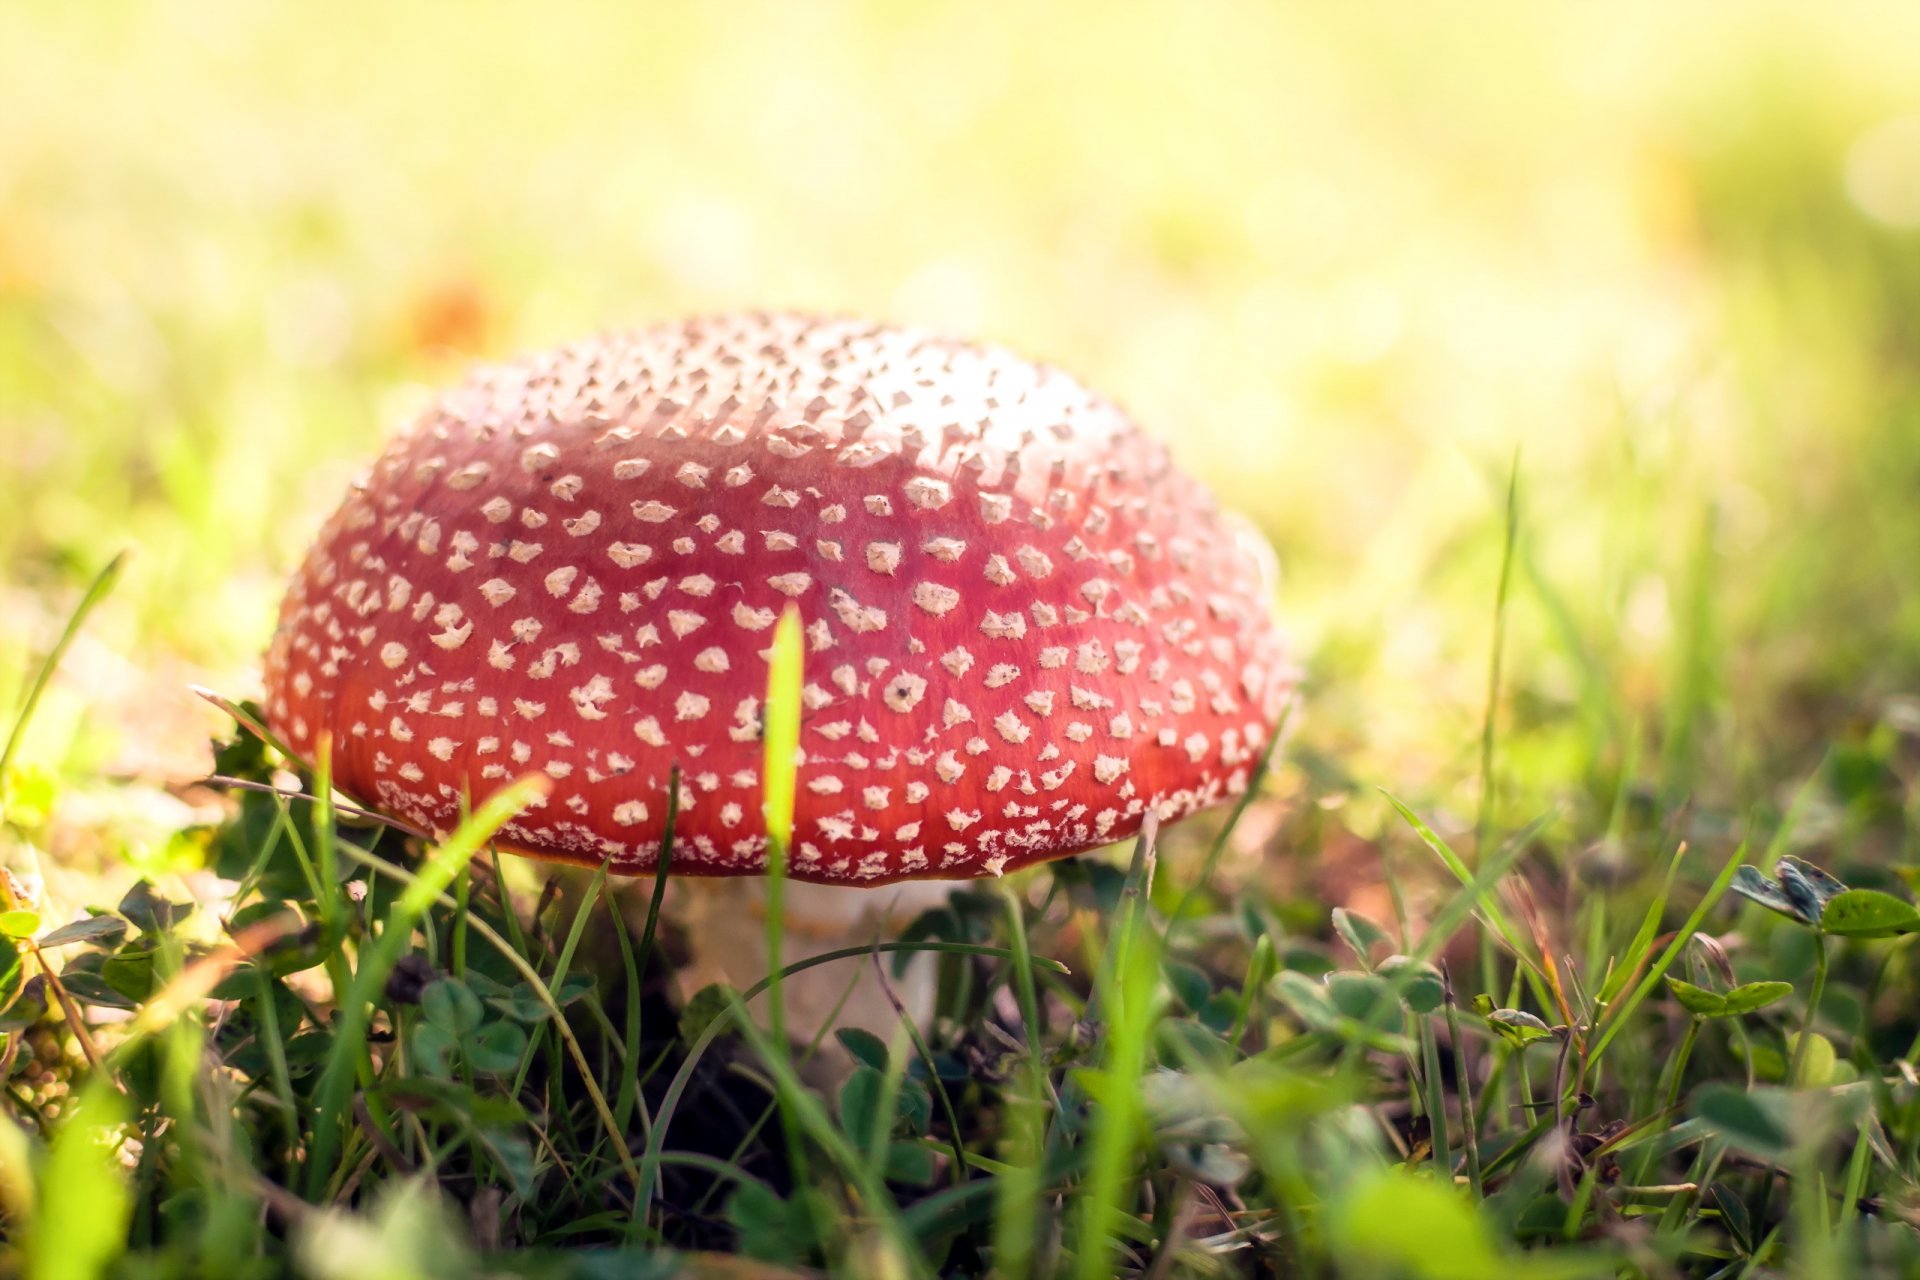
(1023, 625)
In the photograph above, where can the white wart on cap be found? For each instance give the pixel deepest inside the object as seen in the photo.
(1024, 626)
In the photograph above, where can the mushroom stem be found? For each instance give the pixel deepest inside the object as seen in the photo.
(725, 923)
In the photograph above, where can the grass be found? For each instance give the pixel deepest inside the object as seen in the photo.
(1566, 358)
(1215, 1087)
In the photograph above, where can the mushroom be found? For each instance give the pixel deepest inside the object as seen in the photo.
(1025, 628)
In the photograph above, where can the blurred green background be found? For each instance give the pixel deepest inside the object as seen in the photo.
(1348, 259)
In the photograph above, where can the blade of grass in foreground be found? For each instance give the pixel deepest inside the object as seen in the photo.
(1024, 1143)
(1128, 991)
(85, 1202)
(329, 895)
(779, 782)
(778, 788)
(1621, 1012)
(98, 590)
(1488, 905)
(1472, 891)
(252, 725)
(1643, 937)
(356, 1007)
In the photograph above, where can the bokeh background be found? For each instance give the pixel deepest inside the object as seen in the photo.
(1351, 260)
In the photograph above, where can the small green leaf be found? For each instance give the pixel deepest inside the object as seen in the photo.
(130, 971)
(20, 1006)
(709, 1002)
(771, 1229)
(1817, 1061)
(432, 1048)
(1749, 1119)
(513, 1152)
(1749, 997)
(572, 987)
(19, 923)
(1189, 1038)
(1392, 1222)
(946, 1065)
(451, 1005)
(1359, 933)
(909, 1163)
(866, 1047)
(1868, 913)
(495, 1048)
(1809, 887)
(1314, 1005)
(1307, 998)
(1698, 1001)
(520, 1002)
(1095, 884)
(149, 912)
(1422, 988)
(1190, 984)
(1366, 998)
(1314, 963)
(1748, 882)
(445, 1100)
(860, 1105)
(1518, 1027)
(1733, 1215)
(98, 930)
(915, 1105)
(1220, 1012)
(517, 1001)
(760, 1217)
(84, 981)
(1541, 1217)
(1767, 1060)
(308, 1050)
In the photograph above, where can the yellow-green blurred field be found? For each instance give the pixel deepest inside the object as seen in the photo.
(1349, 259)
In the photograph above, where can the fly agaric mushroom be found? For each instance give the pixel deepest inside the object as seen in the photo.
(1025, 628)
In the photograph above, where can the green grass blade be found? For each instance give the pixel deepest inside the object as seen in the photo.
(1488, 906)
(778, 786)
(1618, 1015)
(1643, 936)
(84, 1200)
(99, 589)
(1127, 988)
